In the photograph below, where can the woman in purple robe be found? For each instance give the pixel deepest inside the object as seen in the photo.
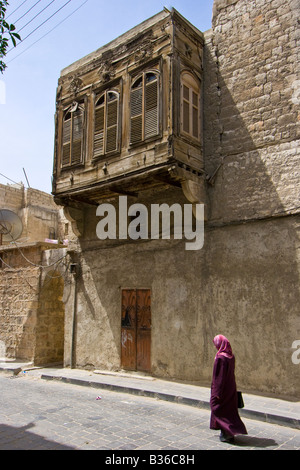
(223, 401)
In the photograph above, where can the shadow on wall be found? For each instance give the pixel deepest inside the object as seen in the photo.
(251, 239)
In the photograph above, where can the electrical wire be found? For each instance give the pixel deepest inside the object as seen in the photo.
(39, 26)
(26, 13)
(20, 184)
(61, 275)
(16, 9)
(39, 13)
(46, 34)
(35, 264)
(14, 242)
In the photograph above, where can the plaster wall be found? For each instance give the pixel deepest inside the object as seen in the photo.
(243, 283)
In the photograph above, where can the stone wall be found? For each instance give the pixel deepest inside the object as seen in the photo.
(50, 320)
(31, 306)
(41, 218)
(11, 197)
(19, 294)
(252, 119)
(242, 283)
(251, 295)
(32, 278)
(251, 139)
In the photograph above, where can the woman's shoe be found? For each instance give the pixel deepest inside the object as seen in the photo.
(226, 437)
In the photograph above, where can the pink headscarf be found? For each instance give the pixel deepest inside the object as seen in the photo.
(223, 346)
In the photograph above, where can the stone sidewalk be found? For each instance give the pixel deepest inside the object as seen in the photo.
(260, 408)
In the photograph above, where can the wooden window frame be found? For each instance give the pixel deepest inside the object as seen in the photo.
(189, 107)
(141, 118)
(105, 150)
(74, 160)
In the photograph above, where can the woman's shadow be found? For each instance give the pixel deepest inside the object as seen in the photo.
(251, 441)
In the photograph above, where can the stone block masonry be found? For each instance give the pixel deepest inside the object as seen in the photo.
(252, 117)
(251, 146)
(31, 307)
(19, 294)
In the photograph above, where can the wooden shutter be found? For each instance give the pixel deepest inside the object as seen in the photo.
(144, 109)
(136, 114)
(76, 151)
(112, 122)
(190, 106)
(99, 129)
(185, 109)
(106, 124)
(66, 148)
(72, 136)
(195, 114)
(151, 106)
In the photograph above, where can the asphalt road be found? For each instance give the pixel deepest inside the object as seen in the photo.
(43, 415)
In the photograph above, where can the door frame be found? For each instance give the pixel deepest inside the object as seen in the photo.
(134, 338)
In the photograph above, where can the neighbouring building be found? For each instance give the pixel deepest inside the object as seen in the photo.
(166, 114)
(33, 275)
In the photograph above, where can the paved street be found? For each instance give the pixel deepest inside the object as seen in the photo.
(36, 414)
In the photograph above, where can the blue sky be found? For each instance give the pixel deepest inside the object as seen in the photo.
(28, 86)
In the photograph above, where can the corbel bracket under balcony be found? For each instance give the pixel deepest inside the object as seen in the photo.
(193, 185)
(76, 217)
(74, 213)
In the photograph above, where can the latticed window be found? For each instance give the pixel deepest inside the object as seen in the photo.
(106, 123)
(72, 138)
(190, 106)
(144, 107)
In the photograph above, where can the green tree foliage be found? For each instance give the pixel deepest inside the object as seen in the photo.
(7, 33)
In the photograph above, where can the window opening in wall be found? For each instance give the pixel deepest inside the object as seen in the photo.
(106, 124)
(190, 106)
(52, 234)
(144, 107)
(73, 127)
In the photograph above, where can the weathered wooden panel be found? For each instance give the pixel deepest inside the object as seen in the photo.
(136, 330)
(128, 329)
(143, 352)
(139, 132)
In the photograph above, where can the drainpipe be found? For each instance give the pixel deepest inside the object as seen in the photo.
(74, 269)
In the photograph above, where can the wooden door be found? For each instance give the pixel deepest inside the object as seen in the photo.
(128, 329)
(143, 330)
(136, 329)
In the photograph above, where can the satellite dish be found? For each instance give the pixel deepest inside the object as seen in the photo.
(11, 225)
